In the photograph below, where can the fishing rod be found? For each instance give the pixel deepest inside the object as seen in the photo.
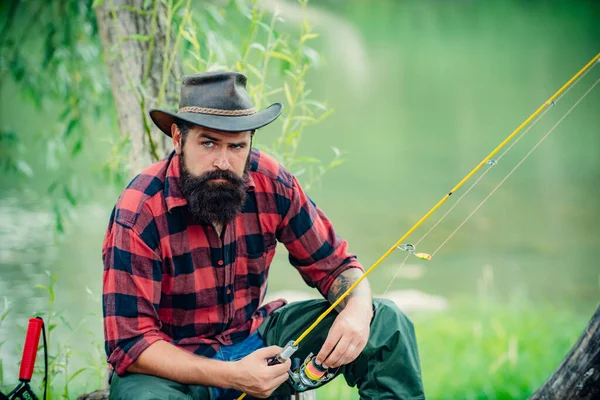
(308, 374)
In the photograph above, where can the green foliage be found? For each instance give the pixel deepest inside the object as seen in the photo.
(276, 63)
(51, 52)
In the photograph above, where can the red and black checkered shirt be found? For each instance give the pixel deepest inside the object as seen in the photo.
(168, 278)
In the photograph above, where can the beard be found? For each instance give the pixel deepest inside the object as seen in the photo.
(213, 202)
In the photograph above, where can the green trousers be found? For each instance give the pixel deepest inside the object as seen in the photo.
(387, 368)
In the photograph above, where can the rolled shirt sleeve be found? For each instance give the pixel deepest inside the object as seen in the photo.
(131, 292)
(315, 249)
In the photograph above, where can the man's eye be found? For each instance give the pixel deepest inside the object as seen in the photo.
(208, 144)
(237, 146)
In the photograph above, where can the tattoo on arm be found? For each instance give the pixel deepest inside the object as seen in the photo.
(341, 284)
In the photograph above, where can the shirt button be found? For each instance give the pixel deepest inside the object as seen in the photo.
(228, 290)
(220, 262)
(264, 255)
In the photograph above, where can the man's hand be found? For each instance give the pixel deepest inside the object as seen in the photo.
(347, 338)
(350, 330)
(254, 377)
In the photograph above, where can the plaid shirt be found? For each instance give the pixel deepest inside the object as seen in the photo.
(167, 278)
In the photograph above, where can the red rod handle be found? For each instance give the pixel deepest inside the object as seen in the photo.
(30, 350)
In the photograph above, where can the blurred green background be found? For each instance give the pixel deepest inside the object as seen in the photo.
(422, 92)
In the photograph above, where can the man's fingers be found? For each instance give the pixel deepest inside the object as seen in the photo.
(344, 356)
(337, 353)
(330, 343)
(268, 352)
(282, 378)
(279, 369)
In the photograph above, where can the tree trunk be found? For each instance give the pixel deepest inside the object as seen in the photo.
(578, 376)
(137, 49)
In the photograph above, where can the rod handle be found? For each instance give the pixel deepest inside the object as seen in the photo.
(30, 349)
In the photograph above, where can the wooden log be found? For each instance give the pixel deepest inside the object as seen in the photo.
(578, 376)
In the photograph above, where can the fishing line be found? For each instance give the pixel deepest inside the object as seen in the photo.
(516, 166)
(491, 164)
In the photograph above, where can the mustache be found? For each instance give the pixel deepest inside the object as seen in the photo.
(228, 176)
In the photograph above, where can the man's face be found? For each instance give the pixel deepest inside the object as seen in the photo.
(207, 150)
(213, 172)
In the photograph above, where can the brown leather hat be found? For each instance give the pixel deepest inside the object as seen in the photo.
(216, 100)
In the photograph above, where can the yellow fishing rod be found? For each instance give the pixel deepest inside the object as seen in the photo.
(292, 346)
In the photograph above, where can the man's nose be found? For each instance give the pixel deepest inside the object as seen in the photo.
(222, 161)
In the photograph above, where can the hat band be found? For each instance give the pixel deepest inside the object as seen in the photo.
(216, 111)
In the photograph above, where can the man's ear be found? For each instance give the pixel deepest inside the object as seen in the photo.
(176, 136)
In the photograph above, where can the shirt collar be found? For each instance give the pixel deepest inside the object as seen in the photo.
(173, 194)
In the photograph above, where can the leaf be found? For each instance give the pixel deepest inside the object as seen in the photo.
(58, 215)
(79, 371)
(291, 74)
(4, 315)
(97, 3)
(335, 163)
(72, 124)
(70, 198)
(146, 4)
(243, 8)
(77, 148)
(300, 172)
(273, 92)
(254, 70)
(64, 114)
(66, 323)
(308, 36)
(311, 56)
(281, 56)
(266, 27)
(304, 118)
(316, 104)
(288, 94)
(24, 168)
(43, 287)
(258, 46)
(216, 15)
(192, 67)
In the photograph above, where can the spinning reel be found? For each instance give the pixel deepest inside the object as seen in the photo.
(307, 375)
(303, 375)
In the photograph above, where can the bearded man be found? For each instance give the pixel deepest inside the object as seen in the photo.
(186, 260)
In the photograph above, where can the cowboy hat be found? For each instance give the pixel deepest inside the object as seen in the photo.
(216, 100)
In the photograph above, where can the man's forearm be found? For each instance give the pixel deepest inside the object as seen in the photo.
(167, 361)
(360, 297)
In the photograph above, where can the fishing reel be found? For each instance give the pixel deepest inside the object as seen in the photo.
(303, 375)
(308, 374)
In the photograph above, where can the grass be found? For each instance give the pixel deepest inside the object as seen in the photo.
(487, 352)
